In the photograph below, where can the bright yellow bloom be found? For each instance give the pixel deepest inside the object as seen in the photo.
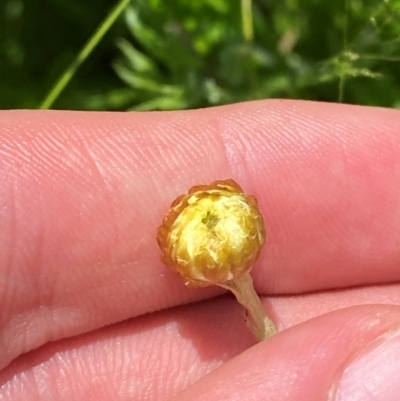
(213, 234)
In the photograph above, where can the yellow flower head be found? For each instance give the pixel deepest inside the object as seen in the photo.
(213, 234)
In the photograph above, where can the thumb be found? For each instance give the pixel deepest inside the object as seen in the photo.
(351, 354)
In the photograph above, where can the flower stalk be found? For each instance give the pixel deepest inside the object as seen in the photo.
(256, 319)
(213, 235)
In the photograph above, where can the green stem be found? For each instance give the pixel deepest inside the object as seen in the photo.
(247, 20)
(84, 53)
(342, 78)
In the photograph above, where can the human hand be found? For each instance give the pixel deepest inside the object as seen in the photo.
(88, 311)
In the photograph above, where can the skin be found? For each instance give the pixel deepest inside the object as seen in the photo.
(88, 311)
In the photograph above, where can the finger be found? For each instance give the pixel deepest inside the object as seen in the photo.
(291, 310)
(351, 354)
(156, 357)
(151, 357)
(84, 193)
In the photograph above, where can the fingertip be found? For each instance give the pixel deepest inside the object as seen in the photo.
(301, 363)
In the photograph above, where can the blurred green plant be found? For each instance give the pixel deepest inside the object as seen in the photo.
(39, 39)
(200, 53)
(84, 53)
(197, 54)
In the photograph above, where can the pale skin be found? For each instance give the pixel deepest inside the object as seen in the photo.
(82, 195)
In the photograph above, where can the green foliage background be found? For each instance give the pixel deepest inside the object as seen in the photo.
(185, 54)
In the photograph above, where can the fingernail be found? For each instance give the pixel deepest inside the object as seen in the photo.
(374, 374)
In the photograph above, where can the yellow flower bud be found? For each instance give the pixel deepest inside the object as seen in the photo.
(213, 234)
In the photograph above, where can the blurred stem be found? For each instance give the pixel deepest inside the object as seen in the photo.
(248, 35)
(257, 320)
(344, 52)
(247, 20)
(87, 49)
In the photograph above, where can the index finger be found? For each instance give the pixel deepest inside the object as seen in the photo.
(83, 194)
